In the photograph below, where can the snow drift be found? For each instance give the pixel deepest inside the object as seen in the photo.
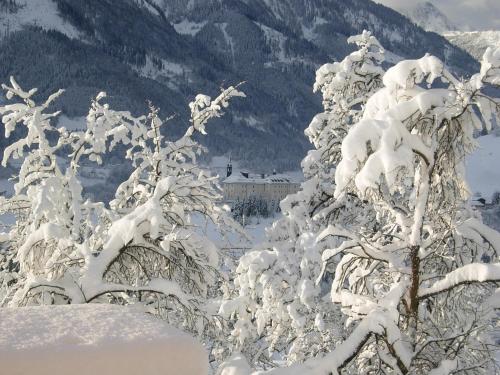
(94, 339)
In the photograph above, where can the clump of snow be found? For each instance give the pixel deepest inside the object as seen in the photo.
(72, 124)
(94, 339)
(470, 272)
(427, 66)
(235, 365)
(42, 13)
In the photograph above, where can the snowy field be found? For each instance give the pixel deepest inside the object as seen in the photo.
(94, 339)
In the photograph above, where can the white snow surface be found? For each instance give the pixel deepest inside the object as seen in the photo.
(228, 38)
(309, 31)
(41, 13)
(483, 174)
(94, 339)
(277, 40)
(255, 230)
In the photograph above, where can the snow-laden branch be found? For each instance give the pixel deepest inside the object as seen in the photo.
(277, 299)
(480, 233)
(376, 323)
(468, 274)
(358, 246)
(203, 108)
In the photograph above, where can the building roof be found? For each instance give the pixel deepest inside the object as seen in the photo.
(239, 178)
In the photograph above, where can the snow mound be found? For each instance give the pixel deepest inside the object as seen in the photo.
(235, 365)
(94, 339)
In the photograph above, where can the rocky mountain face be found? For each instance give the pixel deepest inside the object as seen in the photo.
(429, 17)
(169, 50)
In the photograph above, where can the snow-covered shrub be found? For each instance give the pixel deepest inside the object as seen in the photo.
(279, 310)
(145, 247)
(419, 288)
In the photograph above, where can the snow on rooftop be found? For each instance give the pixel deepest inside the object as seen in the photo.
(94, 339)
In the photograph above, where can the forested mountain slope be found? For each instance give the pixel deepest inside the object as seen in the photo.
(168, 50)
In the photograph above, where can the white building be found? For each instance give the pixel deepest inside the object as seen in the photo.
(271, 188)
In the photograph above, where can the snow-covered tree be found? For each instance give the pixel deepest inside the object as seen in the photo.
(145, 248)
(279, 310)
(47, 200)
(418, 288)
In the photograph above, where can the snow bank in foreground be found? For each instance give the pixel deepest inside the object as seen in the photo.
(94, 339)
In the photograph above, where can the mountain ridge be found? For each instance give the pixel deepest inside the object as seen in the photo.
(167, 51)
(428, 16)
